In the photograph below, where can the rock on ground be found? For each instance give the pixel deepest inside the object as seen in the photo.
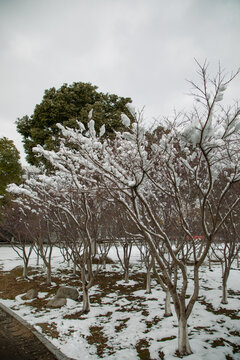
(31, 294)
(67, 292)
(57, 302)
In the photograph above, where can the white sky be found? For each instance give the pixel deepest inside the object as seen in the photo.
(143, 49)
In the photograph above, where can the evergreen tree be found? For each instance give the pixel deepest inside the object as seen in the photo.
(10, 167)
(67, 105)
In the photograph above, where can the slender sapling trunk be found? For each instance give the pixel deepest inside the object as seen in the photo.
(168, 311)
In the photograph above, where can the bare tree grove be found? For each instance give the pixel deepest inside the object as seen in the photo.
(176, 185)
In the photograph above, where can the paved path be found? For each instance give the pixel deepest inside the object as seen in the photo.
(18, 342)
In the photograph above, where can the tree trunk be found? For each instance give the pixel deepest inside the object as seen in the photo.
(126, 276)
(183, 342)
(141, 260)
(49, 274)
(148, 281)
(168, 311)
(38, 257)
(74, 269)
(85, 287)
(224, 288)
(224, 294)
(25, 269)
(86, 302)
(93, 248)
(209, 264)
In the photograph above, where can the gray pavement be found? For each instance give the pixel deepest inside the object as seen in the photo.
(20, 341)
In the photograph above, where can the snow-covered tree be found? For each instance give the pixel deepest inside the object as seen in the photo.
(66, 215)
(15, 229)
(226, 249)
(187, 170)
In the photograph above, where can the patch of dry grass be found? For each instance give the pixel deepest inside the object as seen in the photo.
(142, 349)
(50, 329)
(98, 339)
(232, 314)
(12, 283)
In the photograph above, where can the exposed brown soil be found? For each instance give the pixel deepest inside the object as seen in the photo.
(98, 339)
(232, 314)
(142, 349)
(49, 329)
(12, 284)
(122, 325)
(223, 342)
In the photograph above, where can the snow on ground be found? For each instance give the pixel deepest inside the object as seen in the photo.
(129, 323)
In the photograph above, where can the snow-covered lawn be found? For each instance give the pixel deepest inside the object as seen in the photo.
(126, 323)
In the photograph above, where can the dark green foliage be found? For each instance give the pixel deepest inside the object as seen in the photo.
(10, 167)
(10, 171)
(65, 106)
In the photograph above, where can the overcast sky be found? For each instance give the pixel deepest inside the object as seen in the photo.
(143, 49)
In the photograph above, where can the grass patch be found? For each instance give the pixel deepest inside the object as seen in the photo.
(222, 342)
(107, 315)
(98, 339)
(142, 348)
(167, 338)
(77, 315)
(232, 314)
(151, 323)
(102, 260)
(50, 329)
(12, 283)
(207, 329)
(122, 325)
